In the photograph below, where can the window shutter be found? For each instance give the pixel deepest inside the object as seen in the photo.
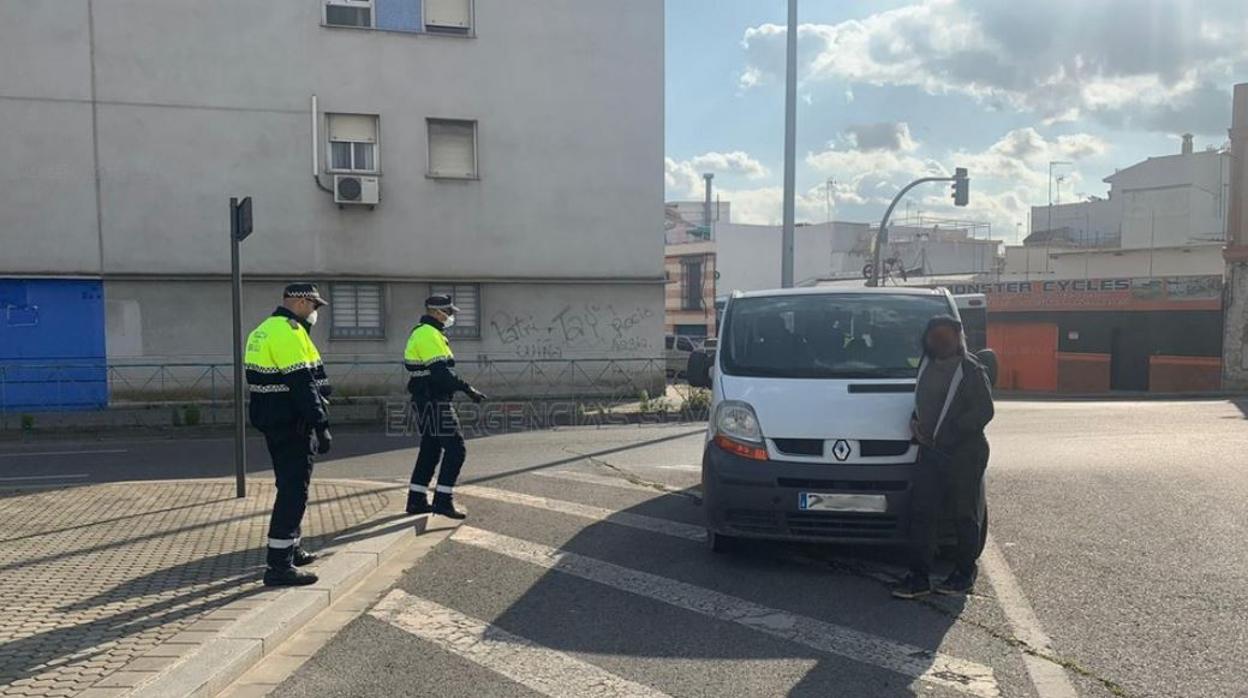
(467, 297)
(368, 306)
(448, 13)
(356, 311)
(452, 148)
(359, 128)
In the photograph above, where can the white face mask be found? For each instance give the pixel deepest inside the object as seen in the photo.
(311, 318)
(448, 322)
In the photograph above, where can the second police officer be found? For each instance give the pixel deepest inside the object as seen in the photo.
(432, 384)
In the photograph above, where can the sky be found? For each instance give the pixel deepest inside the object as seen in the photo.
(893, 90)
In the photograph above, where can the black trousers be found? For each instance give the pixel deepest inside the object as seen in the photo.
(290, 448)
(946, 486)
(440, 440)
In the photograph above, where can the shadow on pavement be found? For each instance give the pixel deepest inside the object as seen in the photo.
(768, 586)
(580, 457)
(183, 594)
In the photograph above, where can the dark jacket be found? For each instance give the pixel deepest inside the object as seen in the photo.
(960, 431)
(292, 391)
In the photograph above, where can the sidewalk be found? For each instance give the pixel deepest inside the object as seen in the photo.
(106, 586)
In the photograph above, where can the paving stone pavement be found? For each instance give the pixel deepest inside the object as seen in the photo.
(103, 580)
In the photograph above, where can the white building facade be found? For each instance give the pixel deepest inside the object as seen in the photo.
(515, 151)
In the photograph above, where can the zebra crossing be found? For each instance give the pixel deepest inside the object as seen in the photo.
(549, 665)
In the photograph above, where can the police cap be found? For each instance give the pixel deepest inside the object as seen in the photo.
(441, 302)
(308, 291)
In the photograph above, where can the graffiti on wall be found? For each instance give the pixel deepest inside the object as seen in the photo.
(581, 329)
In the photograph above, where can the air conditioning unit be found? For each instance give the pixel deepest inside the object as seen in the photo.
(356, 189)
(359, 4)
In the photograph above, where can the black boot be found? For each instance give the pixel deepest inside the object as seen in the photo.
(281, 570)
(444, 505)
(303, 557)
(417, 503)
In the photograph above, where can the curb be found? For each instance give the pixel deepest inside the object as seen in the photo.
(260, 628)
(1027, 396)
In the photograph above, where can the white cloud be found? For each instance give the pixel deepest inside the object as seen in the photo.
(1154, 64)
(737, 161)
(683, 178)
(880, 136)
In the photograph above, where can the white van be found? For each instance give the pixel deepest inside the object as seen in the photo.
(809, 436)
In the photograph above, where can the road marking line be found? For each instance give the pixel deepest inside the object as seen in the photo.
(606, 481)
(534, 666)
(1050, 679)
(620, 518)
(909, 660)
(591, 479)
(64, 453)
(67, 476)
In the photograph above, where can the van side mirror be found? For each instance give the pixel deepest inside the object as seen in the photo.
(988, 358)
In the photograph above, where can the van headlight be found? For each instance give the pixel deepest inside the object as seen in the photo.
(736, 420)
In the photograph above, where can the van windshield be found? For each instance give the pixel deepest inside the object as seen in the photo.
(828, 335)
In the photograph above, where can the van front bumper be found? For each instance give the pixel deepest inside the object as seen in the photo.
(759, 499)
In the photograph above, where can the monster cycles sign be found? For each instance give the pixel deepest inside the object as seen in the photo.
(1174, 293)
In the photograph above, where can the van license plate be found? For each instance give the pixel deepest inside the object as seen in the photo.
(869, 503)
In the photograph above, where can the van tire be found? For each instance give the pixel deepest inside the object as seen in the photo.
(719, 543)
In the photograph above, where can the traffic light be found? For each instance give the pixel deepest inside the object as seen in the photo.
(961, 187)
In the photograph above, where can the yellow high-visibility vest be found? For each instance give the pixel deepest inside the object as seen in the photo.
(278, 347)
(426, 346)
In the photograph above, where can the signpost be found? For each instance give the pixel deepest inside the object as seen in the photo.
(240, 228)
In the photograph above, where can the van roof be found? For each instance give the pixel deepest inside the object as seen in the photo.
(840, 291)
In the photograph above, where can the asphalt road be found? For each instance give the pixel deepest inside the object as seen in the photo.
(1117, 551)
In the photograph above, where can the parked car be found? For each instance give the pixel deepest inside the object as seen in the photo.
(698, 371)
(678, 349)
(809, 435)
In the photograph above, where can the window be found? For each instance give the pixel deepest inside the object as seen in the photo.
(466, 297)
(452, 149)
(691, 285)
(352, 143)
(835, 335)
(349, 13)
(448, 17)
(356, 311)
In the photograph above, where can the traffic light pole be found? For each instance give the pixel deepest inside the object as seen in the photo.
(881, 235)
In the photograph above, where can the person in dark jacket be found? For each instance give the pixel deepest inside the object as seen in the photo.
(953, 405)
(432, 383)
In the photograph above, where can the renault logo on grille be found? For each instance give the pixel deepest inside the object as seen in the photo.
(841, 449)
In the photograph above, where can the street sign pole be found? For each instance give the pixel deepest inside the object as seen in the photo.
(240, 228)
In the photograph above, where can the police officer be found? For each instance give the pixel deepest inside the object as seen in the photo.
(289, 392)
(432, 384)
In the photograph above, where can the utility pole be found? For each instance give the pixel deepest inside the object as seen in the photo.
(790, 147)
(1049, 239)
(831, 181)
